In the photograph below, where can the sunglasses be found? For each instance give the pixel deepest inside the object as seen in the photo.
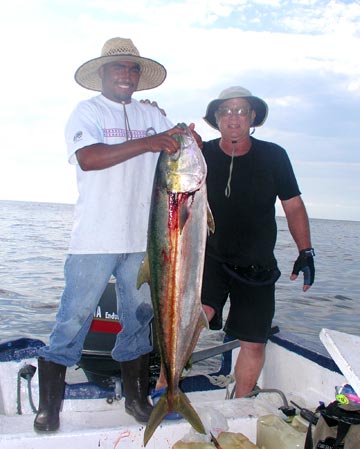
(227, 112)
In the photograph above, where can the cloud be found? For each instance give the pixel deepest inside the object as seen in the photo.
(300, 56)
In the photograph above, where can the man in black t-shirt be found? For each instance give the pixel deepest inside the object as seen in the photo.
(245, 177)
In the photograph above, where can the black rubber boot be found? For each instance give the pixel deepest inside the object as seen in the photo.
(135, 375)
(51, 392)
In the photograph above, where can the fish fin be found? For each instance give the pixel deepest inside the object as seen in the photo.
(210, 221)
(183, 215)
(204, 322)
(159, 412)
(144, 272)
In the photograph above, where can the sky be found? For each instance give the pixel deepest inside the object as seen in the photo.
(301, 57)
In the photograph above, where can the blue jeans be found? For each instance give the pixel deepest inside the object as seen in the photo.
(86, 277)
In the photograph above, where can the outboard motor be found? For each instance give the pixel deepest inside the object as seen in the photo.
(96, 361)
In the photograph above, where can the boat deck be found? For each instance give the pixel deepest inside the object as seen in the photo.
(112, 429)
(306, 377)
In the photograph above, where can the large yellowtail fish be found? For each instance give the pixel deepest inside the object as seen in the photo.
(173, 266)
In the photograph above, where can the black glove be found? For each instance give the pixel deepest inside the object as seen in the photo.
(305, 263)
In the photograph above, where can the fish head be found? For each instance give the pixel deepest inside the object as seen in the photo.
(185, 170)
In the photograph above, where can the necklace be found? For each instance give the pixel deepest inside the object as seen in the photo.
(127, 123)
(233, 150)
(228, 185)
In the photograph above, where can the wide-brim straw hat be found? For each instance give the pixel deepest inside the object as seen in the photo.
(258, 105)
(152, 73)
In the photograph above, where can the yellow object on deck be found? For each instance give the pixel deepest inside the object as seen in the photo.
(274, 433)
(227, 440)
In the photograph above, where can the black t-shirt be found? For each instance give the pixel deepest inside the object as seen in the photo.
(245, 226)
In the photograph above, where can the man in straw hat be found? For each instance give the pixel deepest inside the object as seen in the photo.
(245, 177)
(114, 142)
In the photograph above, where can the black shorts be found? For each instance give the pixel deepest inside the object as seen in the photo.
(251, 310)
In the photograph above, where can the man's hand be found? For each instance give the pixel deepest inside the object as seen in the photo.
(305, 263)
(164, 141)
(154, 104)
(196, 136)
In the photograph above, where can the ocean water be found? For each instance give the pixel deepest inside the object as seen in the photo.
(33, 245)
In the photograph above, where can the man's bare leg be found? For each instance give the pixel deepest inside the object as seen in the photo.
(249, 363)
(209, 312)
(248, 367)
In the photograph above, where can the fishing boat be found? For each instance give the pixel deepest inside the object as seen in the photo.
(295, 377)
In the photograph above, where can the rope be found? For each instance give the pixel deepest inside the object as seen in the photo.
(221, 381)
(258, 390)
(26, 372)
(18, 395)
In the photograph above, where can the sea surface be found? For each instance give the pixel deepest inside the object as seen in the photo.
(33, 244)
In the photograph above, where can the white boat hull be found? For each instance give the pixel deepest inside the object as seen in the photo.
(94, 423)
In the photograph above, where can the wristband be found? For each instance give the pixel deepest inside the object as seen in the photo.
(308, 252)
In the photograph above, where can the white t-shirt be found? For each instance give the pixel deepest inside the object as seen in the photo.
(112, 211)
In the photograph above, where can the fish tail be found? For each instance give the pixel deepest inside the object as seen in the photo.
(181, 405)
(159, 412)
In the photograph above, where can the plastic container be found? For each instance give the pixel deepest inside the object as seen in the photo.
(274, 433)
(227, 440)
